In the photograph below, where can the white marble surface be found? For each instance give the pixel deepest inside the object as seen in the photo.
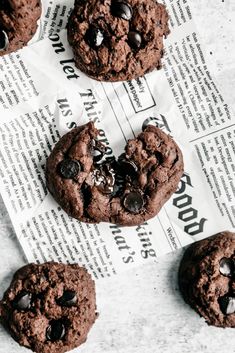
(142, 310)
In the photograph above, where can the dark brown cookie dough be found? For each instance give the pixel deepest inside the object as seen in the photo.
(207, 279)
(115, 40)
(127, 191)
(18, 23)
(49, 308)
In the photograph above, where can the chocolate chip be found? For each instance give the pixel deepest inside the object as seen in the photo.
(94, 37)
(23, 301)
(55, 331)
(121, 9)
(69, 298)
(227, 305)
(227, 267)
(69, 168)
(128, 167)
(159, 157)
(133, 202)
(4, 42)
(131, 168)
(134, 39)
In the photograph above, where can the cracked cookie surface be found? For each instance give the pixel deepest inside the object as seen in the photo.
(93, 187)
(49, 308)
(115, 40)
(207, 278)
(18, 23)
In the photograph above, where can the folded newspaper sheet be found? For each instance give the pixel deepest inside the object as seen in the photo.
(43, 96)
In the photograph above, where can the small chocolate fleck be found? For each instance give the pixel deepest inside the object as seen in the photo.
(4, 42)
(133, 202)
(69, 298)
(227, 267)
(227, 305)
(69, 168)
(55, 331)
(23, 301)
(134, 39)
(94, 37)
(122, 10)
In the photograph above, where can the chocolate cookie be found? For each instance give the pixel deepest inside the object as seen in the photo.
(49, 308)
(93, 187)
(18, 23)
(207, 279)
(117, 40)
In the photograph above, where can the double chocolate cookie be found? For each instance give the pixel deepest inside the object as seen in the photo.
(49, 308)
(207, 279)
(18, 23)
(115, 40)
(93, 187)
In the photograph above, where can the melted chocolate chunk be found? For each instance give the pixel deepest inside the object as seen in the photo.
(133, 202)
(122, 10)
(23, 301)
(104, 178)
(98, 151)
(128, 167)
(69, 299)
(97, 155)
(227, 305)
(227, 267)
(119, 183)
(134, 39)
(69, 168)
(94, 37)
(55, 331)
(4, 42)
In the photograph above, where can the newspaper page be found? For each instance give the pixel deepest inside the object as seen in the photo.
(44, 96)
(54, 17)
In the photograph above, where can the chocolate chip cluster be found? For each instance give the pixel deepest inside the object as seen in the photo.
(56, 330)
(95, 37)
